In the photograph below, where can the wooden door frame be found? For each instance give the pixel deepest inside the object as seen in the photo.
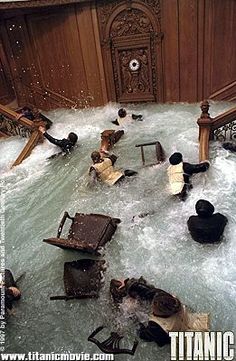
(156, 49)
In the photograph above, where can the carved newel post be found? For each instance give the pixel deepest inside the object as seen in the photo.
(205, 109)
(204, 123)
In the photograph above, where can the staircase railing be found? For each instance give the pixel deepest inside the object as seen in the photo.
(219, 128)
(24, 127)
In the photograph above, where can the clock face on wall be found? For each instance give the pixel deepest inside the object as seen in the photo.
(134, 65)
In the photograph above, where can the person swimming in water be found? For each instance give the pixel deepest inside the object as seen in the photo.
(179, 173)
(229, 146)
(167, 312)
(12, 292)
(124, 118)
(206, 227)
(66, 144)
(102, 169)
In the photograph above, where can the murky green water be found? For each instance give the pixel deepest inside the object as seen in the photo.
(157, 247)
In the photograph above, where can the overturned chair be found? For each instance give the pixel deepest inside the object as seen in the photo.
(112, 343)
(159, 152)
(88, 232)
(109, 137)
(82, 279)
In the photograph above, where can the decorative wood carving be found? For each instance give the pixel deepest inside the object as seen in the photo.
(105, 9)
(155, 6)
(130, 34)
(131, 22)
(134, 81)
(35, 3)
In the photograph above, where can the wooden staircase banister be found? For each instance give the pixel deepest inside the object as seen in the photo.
(53, 96)
(224, 118)
(208, 125)
(35, 136)
(16, 117)
(30, 145)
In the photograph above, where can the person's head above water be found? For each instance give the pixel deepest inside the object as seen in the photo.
(176, 158)
(229, 146)
(96, 156)
(165, 305)
(26, 110)
(122, 113)
(204, 208)
(72, 137)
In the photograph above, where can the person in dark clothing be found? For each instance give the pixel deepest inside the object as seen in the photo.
(135, 288)
(164, 306)
(66, 145)
(103, 170)
(167, 312)
(179, 174)
(229, 146)
(124, 118)
(28, 113)
(206, 227)
(12, 293)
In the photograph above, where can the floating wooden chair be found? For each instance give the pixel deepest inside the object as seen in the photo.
(88, 232)
(159, 151)
(112, 343)
(109, 137)
(82, 279)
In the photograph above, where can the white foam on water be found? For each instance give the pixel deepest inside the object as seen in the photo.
(157, 246)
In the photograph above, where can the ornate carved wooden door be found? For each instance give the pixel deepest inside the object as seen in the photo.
(131, 40)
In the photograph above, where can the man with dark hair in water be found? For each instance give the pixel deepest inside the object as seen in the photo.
(229, 146)
(12, 293)
(124, 118)
(206, 227)
(66, 145)
(167, 312)
(102, 169)
(28, 113)
(179, 173)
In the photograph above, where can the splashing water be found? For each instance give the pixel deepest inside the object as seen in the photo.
(157, 247)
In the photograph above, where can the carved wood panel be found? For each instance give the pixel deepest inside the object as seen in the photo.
(132, 69)
(131, 36)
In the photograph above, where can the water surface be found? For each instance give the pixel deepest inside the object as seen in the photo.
(157, 247)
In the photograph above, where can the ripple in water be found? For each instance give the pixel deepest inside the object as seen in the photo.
(157, 246)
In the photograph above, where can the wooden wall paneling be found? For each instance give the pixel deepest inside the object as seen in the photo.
(224, 50)
(121, 26)
(61, 66)
(6, 89)
(170, 28)
(105, 10)
(20, 60)
(99, 53)
(188, 49)
(90, 54)
(208, 47)
(200, 49)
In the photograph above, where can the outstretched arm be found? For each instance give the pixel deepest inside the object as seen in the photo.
(196, 168)
(52, 140)
(153, 332)
(137, 117)
(111, 156)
